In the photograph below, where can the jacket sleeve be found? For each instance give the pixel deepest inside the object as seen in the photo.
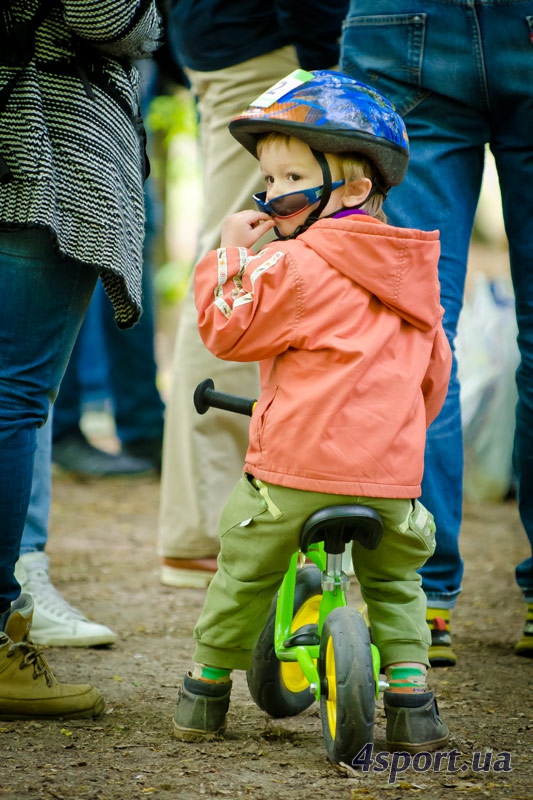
(118, 28)
(314, 28)
(437, 377)
(247, 304)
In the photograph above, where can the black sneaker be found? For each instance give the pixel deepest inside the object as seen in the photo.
(524, 647)
(146, 449)
(74, 454)
(201, 709)
(413, 722)
(441, 653)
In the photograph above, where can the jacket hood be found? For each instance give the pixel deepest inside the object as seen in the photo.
(397, 265)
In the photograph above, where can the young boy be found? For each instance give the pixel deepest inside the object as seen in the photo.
(343, 314)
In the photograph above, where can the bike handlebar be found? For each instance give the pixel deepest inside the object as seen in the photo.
(206, 396)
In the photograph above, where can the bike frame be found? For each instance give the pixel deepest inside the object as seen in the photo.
(334, 586)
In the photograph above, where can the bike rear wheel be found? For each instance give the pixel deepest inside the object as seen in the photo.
(280, 688)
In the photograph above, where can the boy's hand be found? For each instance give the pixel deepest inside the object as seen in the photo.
(245, 228)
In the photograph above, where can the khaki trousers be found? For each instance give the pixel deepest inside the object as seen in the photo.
(203, 456)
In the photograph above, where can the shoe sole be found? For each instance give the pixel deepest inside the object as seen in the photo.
(186, 578)
(82, 641)
(441, 662)
(420, 747)
(83, 714)
(86, 477)
(196, 735)
(442, 657)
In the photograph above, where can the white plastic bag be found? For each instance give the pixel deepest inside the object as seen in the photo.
(487, 358)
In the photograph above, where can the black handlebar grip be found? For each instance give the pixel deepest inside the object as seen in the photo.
(206, 396)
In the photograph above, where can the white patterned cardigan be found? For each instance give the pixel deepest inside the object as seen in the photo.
(69, 136)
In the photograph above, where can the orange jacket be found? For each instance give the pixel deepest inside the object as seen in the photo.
(345, 321)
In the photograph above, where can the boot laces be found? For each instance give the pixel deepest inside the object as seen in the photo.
(32, 656)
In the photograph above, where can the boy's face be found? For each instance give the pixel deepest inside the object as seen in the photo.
(289, 166)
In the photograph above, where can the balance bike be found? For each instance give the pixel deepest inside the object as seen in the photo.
(313, 646)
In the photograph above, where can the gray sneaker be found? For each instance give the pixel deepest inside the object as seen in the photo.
(201, 709)
(413, 722)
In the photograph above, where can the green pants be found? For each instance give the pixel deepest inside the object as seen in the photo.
(260, 529)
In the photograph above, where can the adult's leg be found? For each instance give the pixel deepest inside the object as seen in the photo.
(67, 412)
(512, 113)
(35, 534)
(139, 409)
(71, 449)
(48, 296)
(137, 404)
(55, 621)
(443, 200)
(203, 455)
(402, 48)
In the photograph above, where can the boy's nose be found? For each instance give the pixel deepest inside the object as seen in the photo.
(273, 191)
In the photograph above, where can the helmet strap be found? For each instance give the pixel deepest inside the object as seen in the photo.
(324, 199)
(326, 190)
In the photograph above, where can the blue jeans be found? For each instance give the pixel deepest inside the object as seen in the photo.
(459, 72)
(35, 535)
(44, 298)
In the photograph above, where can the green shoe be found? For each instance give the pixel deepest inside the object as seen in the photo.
(441, 653)
(525, 646)
(201, 709)
(413, 722)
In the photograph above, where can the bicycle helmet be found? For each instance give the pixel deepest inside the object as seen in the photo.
(332, 113)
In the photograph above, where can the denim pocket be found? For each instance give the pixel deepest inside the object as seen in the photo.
(386, 51)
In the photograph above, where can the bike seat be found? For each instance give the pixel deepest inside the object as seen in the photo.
(338, 525)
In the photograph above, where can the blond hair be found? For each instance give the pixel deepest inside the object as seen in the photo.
(355, 165)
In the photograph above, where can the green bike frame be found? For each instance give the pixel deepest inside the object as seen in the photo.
(335, 583)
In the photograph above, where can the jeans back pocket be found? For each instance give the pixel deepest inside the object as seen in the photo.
(386, 52)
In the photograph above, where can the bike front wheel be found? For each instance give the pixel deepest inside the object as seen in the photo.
(347, 699)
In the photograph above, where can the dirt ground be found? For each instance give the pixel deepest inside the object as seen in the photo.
(103, 557)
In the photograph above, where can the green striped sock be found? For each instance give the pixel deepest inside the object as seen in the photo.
(410, 680)
(201, 672)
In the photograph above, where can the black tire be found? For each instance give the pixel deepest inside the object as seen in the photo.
(347, 698)
(280, 688)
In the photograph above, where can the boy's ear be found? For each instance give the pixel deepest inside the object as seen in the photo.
(356, 192)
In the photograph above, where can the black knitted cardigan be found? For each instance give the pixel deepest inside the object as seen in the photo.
(70, 135)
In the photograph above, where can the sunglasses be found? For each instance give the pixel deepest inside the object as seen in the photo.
(288, 205)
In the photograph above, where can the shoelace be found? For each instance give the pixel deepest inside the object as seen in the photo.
(32, 656)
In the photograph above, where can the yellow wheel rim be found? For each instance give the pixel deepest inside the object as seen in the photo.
(331, 678)
(292, 676)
